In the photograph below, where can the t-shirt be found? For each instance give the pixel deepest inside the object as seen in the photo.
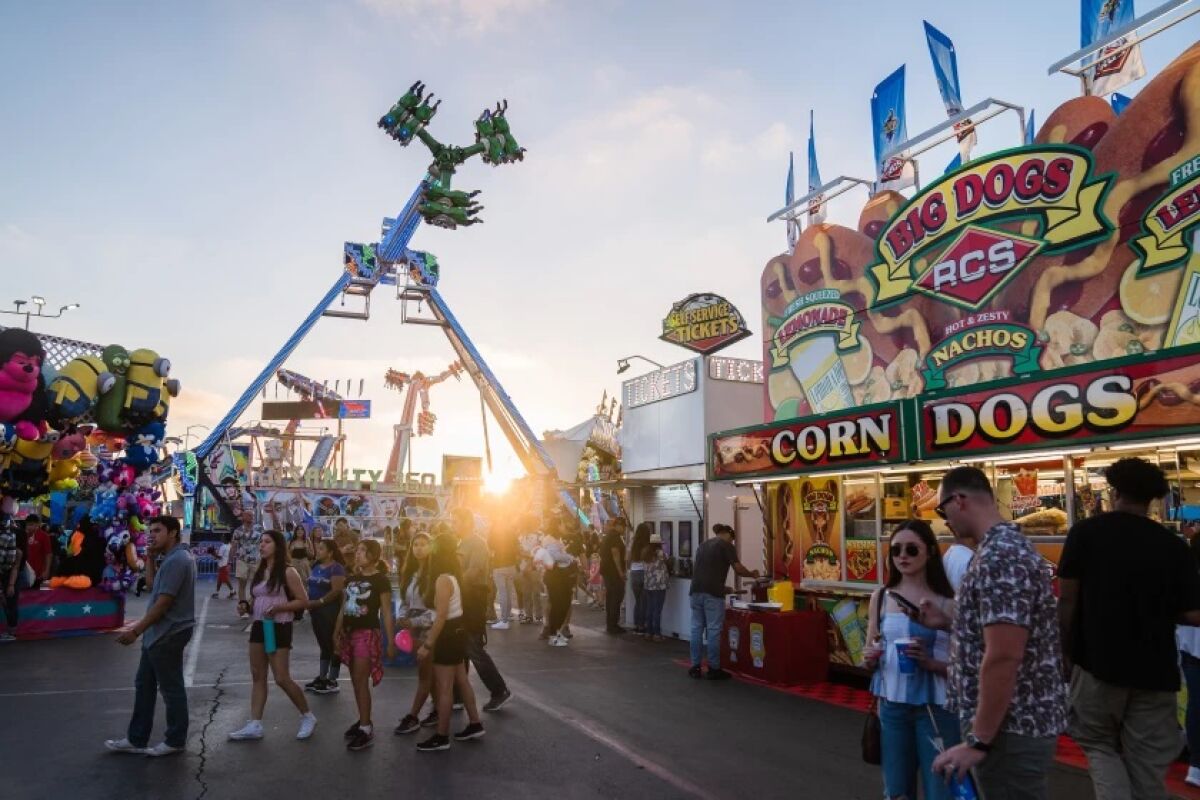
(176, 576)
(713, 560)
(247, 540)
(573, 542)
(320, 579)
(611, 541)
(504, 550)
(1135, 579)
(956, 560)
(37, 551)
(363, 599)
(473, 554)
(223, 555)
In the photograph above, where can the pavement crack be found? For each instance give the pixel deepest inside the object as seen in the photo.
(212, 715)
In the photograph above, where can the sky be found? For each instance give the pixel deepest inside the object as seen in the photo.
(189, 172)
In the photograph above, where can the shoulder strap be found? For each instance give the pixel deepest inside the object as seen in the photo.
(878, 611)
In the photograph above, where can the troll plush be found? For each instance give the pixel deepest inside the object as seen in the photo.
(22, 387)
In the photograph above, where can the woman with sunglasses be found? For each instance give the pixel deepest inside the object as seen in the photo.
(910, 661)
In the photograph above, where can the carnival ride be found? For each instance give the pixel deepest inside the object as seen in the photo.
(415, 274)
(418, 385)
(327, 447)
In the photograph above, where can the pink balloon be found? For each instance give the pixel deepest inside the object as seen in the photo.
(404, 641)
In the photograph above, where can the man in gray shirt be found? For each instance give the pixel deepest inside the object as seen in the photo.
(165, 630)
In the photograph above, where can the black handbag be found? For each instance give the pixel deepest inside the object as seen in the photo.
(872, 747)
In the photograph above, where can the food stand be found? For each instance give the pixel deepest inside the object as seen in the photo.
(1035, 312)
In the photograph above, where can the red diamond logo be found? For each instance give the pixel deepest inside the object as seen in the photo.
(976, 265)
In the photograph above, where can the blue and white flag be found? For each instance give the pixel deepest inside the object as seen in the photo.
(1030, 127)
(893, 170)
(816, 205)
(1112, 69)
(1119, 102)
(954, 164)
(789, 197)
(945, 69)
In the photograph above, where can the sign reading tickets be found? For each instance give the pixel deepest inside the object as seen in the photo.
(1126, 400)
(704, 323)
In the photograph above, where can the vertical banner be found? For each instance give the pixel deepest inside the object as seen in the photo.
(816, 207)
(888, 130)
(945, 69)
(1030, 127)
(789, 197)
(820, 522)
(954, 164)
(1112, 67)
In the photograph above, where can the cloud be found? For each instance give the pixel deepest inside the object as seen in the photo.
(473, 17)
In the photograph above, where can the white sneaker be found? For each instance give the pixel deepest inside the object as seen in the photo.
(162, 749)
(252, 730)
(123, 746)
(7, 637)
(502, 625)
(559, 641)
(307, 723)
(1193, 776)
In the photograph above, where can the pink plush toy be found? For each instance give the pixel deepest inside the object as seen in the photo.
(22, 389)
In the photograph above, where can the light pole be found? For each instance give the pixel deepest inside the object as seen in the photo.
(623, 363)
(40, 302)
(187, 433)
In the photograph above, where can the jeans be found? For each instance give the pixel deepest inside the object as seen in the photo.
(324, 620)
(161, 670)
(12, 605)
(614, 595)
(1130, 736)
(905, 735)
(506, 590)
(478, 655)
(1191, 673)
(708, 616)
(655, 600)
(637, 582)
(531, 603)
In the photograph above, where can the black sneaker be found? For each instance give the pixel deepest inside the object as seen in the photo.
(328, 686)
(352, 731)
(718, 674)
(473, 731)
(695, 672)
(497, 702)
(314, 685)
(361, 741)
(434, 743)
(615, 631)
(430, 720)
(409, 724)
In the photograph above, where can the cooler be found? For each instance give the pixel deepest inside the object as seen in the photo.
(779, 647)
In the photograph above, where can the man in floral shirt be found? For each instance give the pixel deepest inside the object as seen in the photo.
(1005, 662)
(246, 539)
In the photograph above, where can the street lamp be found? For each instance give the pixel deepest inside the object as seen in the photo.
(40, 302)
(623, 363)
(188, 433)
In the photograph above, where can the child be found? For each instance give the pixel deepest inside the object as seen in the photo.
(223, 569)
(368, 593)
(595, 582)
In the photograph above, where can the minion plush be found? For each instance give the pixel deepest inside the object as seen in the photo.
(164, 401)
(108, 410)
(144, 387)
(76, 389)
(28, 467)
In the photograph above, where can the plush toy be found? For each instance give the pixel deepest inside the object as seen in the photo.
(76, 388)
(108, 409)
(141, 451)
(22, 388)
(145, 384)
(27, 469)
(172, 387)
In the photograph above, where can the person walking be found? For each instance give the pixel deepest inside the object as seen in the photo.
(637, 575)
(165, 630)
(246, 538)
(909, 662)
(12, 564)
(223, 568)
(278, 594)
(560, 582)
(532, 608)
(446, 644)
(1005, 675)
(368, 595)
(658, 580)
(326, 582)
(300, 551)
(504, 572)
(1188, 637)
(714, 558)
(39, 552)
(612, 568)
(474, 557)
(417, 618)
(1124, 583)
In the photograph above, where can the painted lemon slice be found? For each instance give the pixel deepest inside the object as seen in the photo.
(858, 363)
(1149, 299)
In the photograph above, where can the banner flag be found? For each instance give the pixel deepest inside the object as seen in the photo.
(789, 197)
(893, 170)
(1110, 69)
(954, 164)
(945, 69)
(816, 207)
(1119, 102)
(1030, 127)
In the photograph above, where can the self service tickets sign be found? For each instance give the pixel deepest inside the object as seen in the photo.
(1074, 250)
(704, 323)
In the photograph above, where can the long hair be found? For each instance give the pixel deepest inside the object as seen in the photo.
(411, 565)
(935, 570)
(335, 552)
(279, 564)
(443, 560)
(650, 552)
(375, 554)
(641, 538)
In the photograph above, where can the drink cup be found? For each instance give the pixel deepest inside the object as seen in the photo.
(907, 665)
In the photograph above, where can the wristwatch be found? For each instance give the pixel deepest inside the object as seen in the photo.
(975, 743)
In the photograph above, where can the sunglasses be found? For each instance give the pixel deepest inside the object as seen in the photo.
(910, 549)
(940, 508)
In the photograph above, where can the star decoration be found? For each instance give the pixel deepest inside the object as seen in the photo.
(87, 609)
(50, 612)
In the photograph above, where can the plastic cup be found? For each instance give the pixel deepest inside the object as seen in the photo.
(907, 665)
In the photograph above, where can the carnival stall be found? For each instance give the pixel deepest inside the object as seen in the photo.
(1035, 312)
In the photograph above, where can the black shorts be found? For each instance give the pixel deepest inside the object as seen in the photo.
(450, 649)
(283, 634)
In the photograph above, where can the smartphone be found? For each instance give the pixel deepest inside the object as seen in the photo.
(909, 608)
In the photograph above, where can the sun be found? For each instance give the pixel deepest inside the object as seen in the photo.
(498, 481)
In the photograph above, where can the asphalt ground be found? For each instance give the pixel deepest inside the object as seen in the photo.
(607, 717)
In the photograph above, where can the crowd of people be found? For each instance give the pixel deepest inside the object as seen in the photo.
(976, 681)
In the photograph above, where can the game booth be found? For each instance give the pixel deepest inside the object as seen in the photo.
(1034, 312)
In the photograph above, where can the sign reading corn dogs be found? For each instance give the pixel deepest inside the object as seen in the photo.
(1131, 398)
(1052, 184)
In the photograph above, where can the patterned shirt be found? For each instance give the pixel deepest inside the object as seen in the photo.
(246, 540)
(1007, 583)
